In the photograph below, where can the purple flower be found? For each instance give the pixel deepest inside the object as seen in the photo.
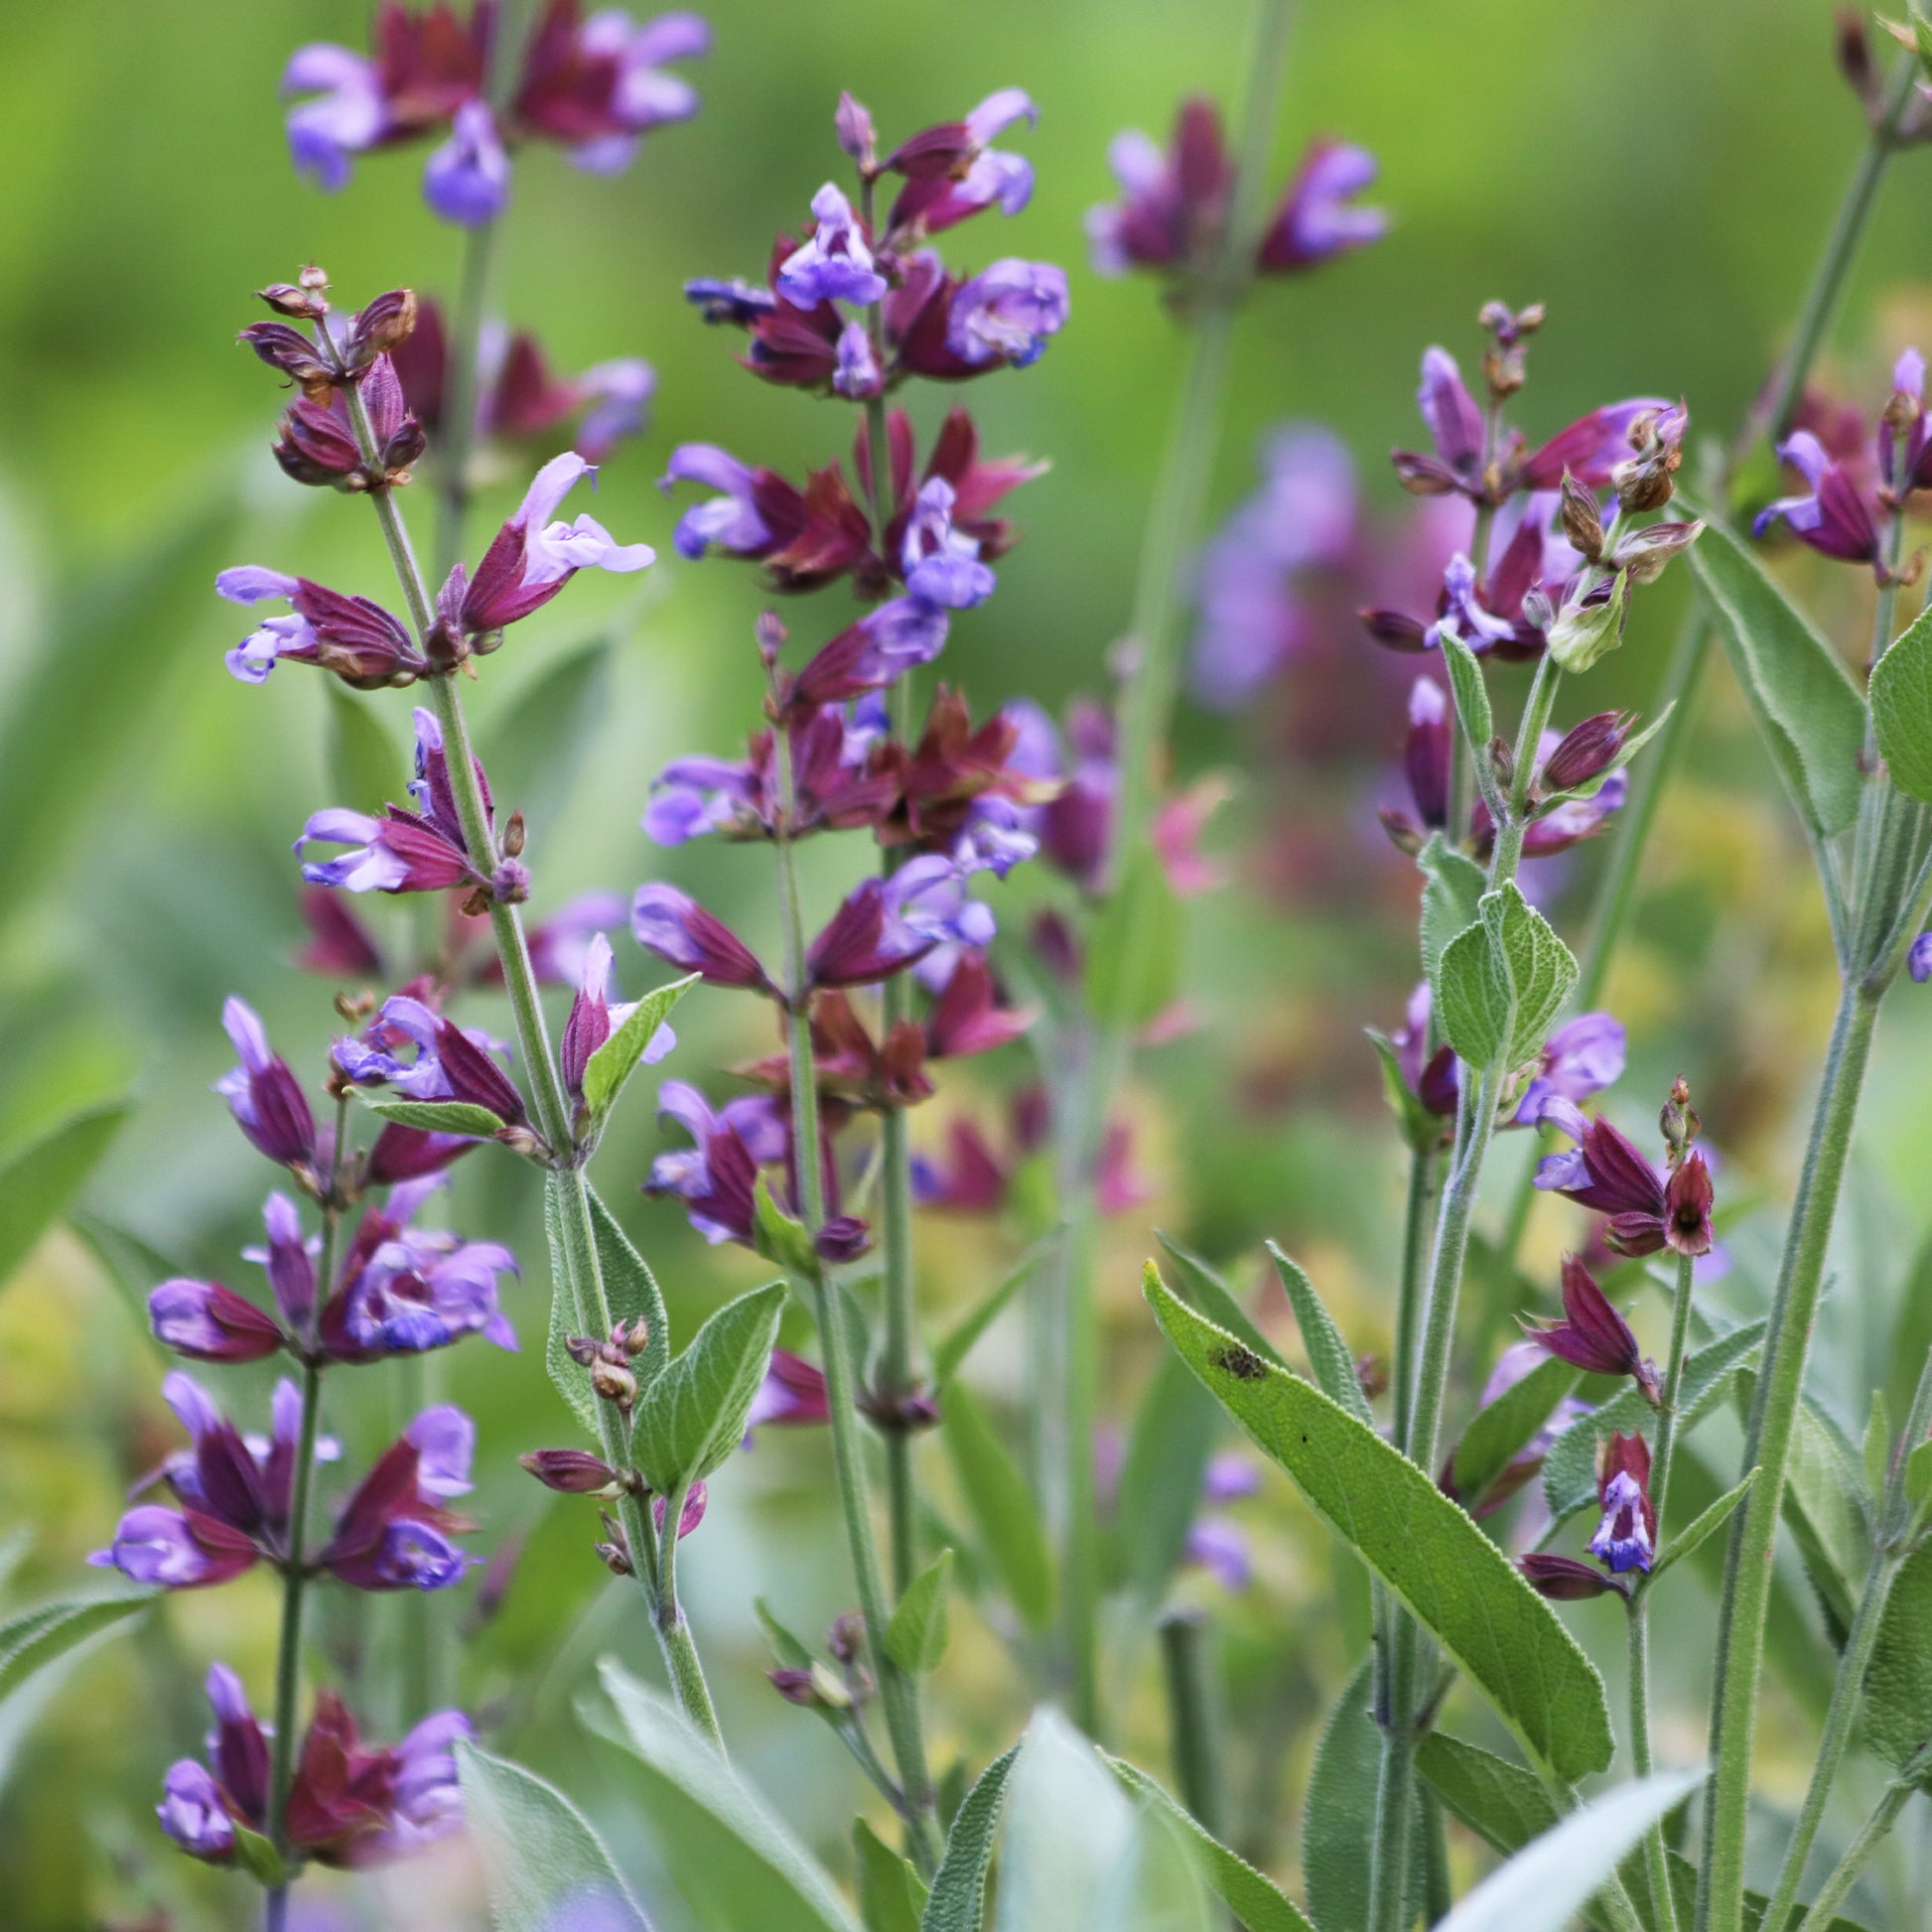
(599, 86)
(449, 1063)
(679, 929)
(954, 173)
(942, 564)
(1076, 828)
(1918, 962)
(856, 374)
(1605, 1171)
(211, 1323)
(1626, 1537)
(835, 265)
(353, 636)
(793, 1394)
(288, 1260)
(394, 1532)
(1833, 516)
(1582, 1058)
(1463, 615)
(689, 1517)
(265, 1098)
(1593, 1336)
(1220, 1548)
(175, 1549)
(345, 115)
(192, 1812)
(730, 519)
(1566, 1580)
(716, 1177)
(1317, 222)
(1005, 313)
(405, 1290)
(592, 1018)
(468, 179)
(560, 946)
(886, 926)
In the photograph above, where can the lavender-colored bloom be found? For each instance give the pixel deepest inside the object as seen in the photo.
(1582, 1058)
(835, 265)
(899, 633)
(856, 374)
(696, 795)
(642, 95)
(156, 1545)
(1918, 962)
(716, 1177)
(560, 944)
(345, 116)
(412, 1556)
(592, 1018)
(736, 300)
(353, 637)
(1230, 1476)
(384, 855)
(1451, 413)
(554, 550)
(1464, 617)
(264, 1098)
(288, 1260)
(1317, 222)
(1221, 1548)
(679, 929)
(468, 179)
(254, 658)
(1139, 166)
(729, 519)
(211, 1323)
(426, 1796)
(1623, 1539)
(1007, 312)
(423, 1291)
(449, 1063)
(446, 1444)
(942, 564)
(192, 1812)
(620, 392)
(1833, 516)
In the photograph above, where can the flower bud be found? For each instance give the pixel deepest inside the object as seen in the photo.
(614, 1384)
(845, 1237)
(286, 299)
(794, 1686)
(1585, 751)
(1502, 763)
(388, 319)
(1589, 625)
(1583, 521)
(405, 447)
(1564, 1579)
(574, 1472)
(1421, 476)
(314, 280)
(1855, 62)
(633, 1339)
(514, 835)
(771, 633)
(582, 1349)
(845, 1639)
(614, 1558)
(855, 134)
(1372, 1376)
(1644, 554)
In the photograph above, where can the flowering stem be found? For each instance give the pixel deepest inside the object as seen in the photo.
(1845, 1874)
(582, 1279)
(295, 1579)
(459, 397)
(899, 1692)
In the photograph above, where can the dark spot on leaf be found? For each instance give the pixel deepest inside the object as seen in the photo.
(1242, 1363)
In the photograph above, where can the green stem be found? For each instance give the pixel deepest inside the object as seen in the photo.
(458, 431)
(1845, 1874)
(295, 1578)
(1767, 1445)
(899, 1692)
(582, 1279)
(1195, 1717)
(1066, 1323)
(1656, 1865)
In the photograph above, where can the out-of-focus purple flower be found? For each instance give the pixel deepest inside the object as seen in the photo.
(1426, 752)
(176, 1549)
(288, 1260)
(689, 1517)
(1076, 828)
(1582, 1058)
(942, 563)
(886, 926)
(1463, 615)
(394, 1531)
(1918, 962)
(1172, 204)
(1455, 427)
(887, 642)
(193, 1815)
(856, 374)
(560, 944)
(343, 116)
(954, 172)
(1594, 447)
(338, 943)
(467, 180)
(792, 1393)
(1006, 313)
(717, 1178)
(835, 265)
(1317, 220)
(353, 636)
(675, 928)
(599, 86)
(1833, 515)
(1626, 1537)
(1216, 1544)
(264, 1098)
(730, 519)
(1593, 1336)
(212, 1323)
(448, 1062)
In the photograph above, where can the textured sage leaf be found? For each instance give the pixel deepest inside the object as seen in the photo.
(1545, 1884)
(1160, 1491)
(1570, 1469)
(440, 1116)
(541, 1859)
(1132, 969)
(1339, 1816)
(1898, 1685)
(915, 1639)
(1003, 1509)
(693, 1416)
(1455, 1583)
(539, 741)
(1876, 1451)
(1500, 1430)
(1473, 712)
(630, 1289)
(720, 1843)
(958, 1899)
(1068, 1830)
(39, 1650)
(1452, 884)
(616, 1059)
(1253, 1898)
(257, 1857)
(1503, 982)
(1706, 1523)
(1330, 1355)
(572, 1382)
(1901, 708)
(1419, 1127)
(365, 768)
(892, 1895)
(1208, 1290)
(953, 1348)
(1809, 711)
(1822, 1510)
(39, 1181)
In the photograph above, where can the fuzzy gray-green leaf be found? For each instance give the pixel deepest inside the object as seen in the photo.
(616, 1059)
(915, 1639)
(1330, 1355)
(693, 1416)
(959, 1885)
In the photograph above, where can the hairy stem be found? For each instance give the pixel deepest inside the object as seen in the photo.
(898, 1690)
(1845, 1874)
(1195, 1725)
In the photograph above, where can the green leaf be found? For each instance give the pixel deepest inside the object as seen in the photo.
(630, 1289)
(40, 1647)
(1329, 1356)
(1570, 1469)
(1210, 1292)
(1421, 1129)
(258, 1858)
(1155, 1886)
(1901, 708)
(716, 1835)
(1503, 982)
(693, 1416)
(440, 1116)
(1707, 1521)
(1498, 1433)
(540, 1853)
(953, 1348)
(1255, 1899)
(37, 1181)
(1878, 1444)
(1809, 711)
(1338, 1818)
(616, 1059)
(781, 1237)
(1898, 1683)
(1134, 955)
(915, 1639)
(572, 1382)
(1068, 1828)
(787, 1650)
(1473, 712)
(1452, 887)
(1545, 1884)
(1452, 1577)
(536, 745)
(892, 1895)
(1002, 1505)
(959, 1886)
(1822, 1509)
(1160, 1478)
(366, 769)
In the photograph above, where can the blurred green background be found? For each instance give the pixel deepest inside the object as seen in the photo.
(1659, 175)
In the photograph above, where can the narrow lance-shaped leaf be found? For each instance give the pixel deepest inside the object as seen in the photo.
(1455, 1583)
(915, 1639)
(38, 1183)
(1338, 1815)
(1473, 712)
(1330, 1355)
(1501, 1430)
(1901, 708)
(1898, 1685)
(1160, 1490)
(1069, 1831)
(953, 1348)
(892, 1895)
(1209, 1292)
(540, 1858)
(959, 1885)
(694, 1414)
(616, 1059)
(438, 1115)
(1705, 1524)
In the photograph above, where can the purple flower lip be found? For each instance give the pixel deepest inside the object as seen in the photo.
(1626, 1537)
(1591, 1335)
